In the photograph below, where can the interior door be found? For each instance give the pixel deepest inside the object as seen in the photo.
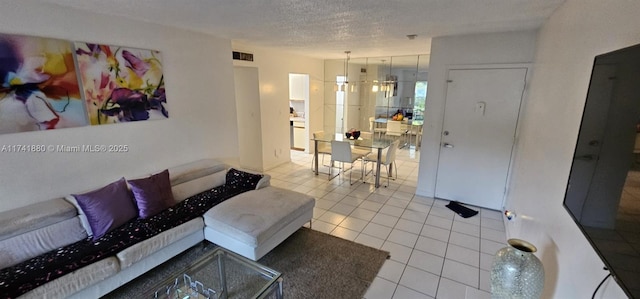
(481, 114)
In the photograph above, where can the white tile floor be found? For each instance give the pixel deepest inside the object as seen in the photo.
(434, 252)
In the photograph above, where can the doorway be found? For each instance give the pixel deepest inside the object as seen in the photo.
(299, 111)
(481, 115)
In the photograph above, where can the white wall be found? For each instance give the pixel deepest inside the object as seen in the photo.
(274, 68)
(494, 48)
(567, 45)
(200, 95)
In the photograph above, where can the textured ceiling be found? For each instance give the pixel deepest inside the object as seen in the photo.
(326, 28)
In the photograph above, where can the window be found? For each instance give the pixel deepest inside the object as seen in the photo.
(420, 100)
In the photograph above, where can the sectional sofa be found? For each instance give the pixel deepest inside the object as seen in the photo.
(58, 249)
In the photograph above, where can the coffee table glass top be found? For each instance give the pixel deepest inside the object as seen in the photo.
(220, 274)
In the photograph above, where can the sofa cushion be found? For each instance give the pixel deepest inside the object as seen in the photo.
(75, 281)
(45, 239)
(35, 216)
(193, 170)
(83, 218)
(254, 216)
(107, 208)
(190, 188)
(149, 246)
(152, 194)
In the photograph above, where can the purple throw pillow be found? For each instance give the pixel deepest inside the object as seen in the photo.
(107, 208)
(152, 194)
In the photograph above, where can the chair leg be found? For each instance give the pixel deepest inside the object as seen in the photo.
(313, 158)
(395, 165)
(386, 167)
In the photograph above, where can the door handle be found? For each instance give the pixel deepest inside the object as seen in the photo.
(447, 145)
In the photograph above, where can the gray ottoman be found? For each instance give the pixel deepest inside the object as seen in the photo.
(256, 221)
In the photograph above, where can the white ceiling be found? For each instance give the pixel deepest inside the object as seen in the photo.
(326, 28)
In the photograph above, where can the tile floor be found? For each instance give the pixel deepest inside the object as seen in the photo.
(434, 252)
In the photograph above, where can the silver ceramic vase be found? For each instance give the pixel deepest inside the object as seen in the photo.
(516, 272)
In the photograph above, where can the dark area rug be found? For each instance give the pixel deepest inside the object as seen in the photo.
(313, 265)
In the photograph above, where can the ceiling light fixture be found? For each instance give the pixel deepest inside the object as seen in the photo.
(412, 36)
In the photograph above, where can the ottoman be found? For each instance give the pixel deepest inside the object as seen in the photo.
(253, 223)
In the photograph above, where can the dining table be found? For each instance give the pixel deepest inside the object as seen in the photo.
(378, 144)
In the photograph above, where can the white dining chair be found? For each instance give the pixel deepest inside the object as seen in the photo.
(396, 128)
(415, 130)
(388, 158)
(341, 152)
(373, 127)
(363, 151)
(324, 147)
(366, 135)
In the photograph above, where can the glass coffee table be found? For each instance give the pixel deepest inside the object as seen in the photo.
(220, 274)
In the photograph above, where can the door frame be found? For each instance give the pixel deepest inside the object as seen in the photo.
(523, 102)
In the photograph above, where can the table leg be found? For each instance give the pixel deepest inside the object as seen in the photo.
(279, 291)
(315, 155)
(378, 168)
(223, 279)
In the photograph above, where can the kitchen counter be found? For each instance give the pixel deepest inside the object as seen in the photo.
(296, 118)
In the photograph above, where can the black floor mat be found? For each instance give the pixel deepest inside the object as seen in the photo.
(461, 210)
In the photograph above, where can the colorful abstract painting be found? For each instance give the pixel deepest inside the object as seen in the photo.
(121, 84)
(39, 88)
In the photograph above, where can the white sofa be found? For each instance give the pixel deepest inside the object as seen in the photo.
(33, 230)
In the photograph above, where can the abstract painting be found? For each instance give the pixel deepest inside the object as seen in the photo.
(39, 86)
(121, 84)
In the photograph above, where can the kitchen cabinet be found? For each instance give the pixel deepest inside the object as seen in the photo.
(299, 138)
(298, 87)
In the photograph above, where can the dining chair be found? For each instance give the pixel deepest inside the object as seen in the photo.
(388, 158)
(366, 135)
(373, 127)
(324, 147)
(396, 128)
(415, 130)
(341, 152)
(360, 149)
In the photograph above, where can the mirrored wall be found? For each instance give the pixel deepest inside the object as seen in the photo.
(363, 93)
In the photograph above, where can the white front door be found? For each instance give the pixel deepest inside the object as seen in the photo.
(481, 114)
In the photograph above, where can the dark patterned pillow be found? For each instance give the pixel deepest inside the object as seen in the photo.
(242, 179)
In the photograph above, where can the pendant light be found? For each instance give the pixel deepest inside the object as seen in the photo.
(345, 84)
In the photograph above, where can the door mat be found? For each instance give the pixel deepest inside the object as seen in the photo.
(461, 210)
